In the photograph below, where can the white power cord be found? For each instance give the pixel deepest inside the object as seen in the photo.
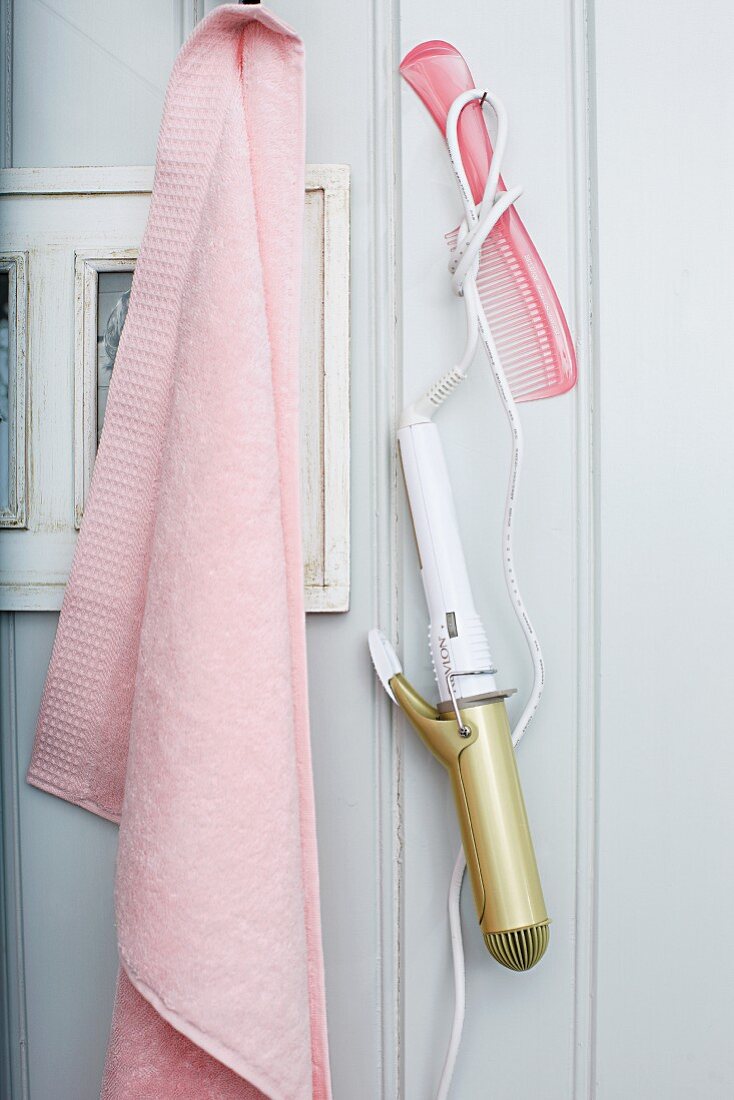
(477, 226)
(457, 877)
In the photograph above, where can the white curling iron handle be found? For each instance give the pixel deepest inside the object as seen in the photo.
(456, 635)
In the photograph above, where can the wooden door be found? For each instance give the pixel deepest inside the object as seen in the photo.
(620, 116)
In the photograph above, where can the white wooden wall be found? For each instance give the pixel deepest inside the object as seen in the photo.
(621, 119)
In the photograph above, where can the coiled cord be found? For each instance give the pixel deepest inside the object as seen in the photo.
(478, 224)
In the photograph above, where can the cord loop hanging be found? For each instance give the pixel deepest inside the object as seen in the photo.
(479, 221)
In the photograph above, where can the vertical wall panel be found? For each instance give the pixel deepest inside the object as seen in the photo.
(6, 83)
(666, 237)
(68, 859)
(13, 1015)
(89, 79)
(343, 696)
(81, 105)
(519, 1029)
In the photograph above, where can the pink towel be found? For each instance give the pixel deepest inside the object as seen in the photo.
(176, 696)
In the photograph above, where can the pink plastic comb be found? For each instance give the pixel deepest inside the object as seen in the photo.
(518, 298)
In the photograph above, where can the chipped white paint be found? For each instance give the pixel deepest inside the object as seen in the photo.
(16, 265)
(87, 269)
(329, 294)
(76, 223)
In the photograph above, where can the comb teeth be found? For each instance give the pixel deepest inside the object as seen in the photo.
(518, 318)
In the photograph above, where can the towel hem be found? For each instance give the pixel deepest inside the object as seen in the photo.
(229, 1058)
(60, 792)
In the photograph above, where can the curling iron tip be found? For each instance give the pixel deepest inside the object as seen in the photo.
(385, 659)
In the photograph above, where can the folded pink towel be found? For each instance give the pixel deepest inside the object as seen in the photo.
(178, 677)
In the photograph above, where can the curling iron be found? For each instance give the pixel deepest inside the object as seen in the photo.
(468, 731)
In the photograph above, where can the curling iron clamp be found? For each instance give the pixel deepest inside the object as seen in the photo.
(474, 745)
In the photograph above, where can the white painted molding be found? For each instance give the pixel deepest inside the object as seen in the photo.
(87, 268)
(587, 467)
(387, 336)
(123, 180)
(6, 81)
(191, 12)
(16, 266)
(114, 180)
(14, 1075)
(333, 457)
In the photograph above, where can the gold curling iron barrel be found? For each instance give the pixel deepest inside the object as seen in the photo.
(494, 824)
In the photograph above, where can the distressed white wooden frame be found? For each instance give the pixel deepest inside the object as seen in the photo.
(326, 531)
(16, 266)
(32, 574)
(87, 268)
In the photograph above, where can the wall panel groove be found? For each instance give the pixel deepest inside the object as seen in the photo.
(386, 360)
(6, 81)
(584, 167)
(15, 1039)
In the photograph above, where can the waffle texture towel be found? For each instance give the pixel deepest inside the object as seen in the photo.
(176, 697)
